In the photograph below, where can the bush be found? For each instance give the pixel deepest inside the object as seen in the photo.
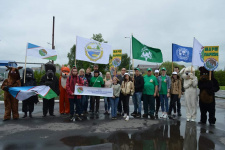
(39, 74)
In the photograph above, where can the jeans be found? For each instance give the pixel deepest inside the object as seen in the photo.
(78, 105)
(137, 101)
(114, 105)
(164, 102)
(93, 100)
(173, 100)
(84, 101)
(107, 103)
(125, 101)
(149, 104)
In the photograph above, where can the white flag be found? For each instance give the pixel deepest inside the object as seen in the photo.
(41, 52)
(92, 51)
(198, 54)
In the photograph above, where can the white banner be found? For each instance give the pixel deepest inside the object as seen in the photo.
(197, 54)
(92, 51)
(93, 91)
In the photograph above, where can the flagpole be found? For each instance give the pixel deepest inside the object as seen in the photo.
(53, 34)
(172, 59)
(192, 55)
(25, 70)
(75, 54)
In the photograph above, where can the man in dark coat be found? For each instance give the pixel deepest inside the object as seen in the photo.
(28, 104)
(207, 96)
(49, 79)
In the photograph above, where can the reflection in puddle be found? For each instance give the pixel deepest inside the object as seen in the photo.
(156, 137)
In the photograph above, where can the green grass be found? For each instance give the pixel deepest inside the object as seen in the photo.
(222, 87)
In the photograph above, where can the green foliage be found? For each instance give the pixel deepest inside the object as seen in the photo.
(222, 87)
(1, 95)
(220, 76)
(98, 37)
(38, 75)
(168, 66)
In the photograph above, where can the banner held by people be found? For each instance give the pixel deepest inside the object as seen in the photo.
(93, 91)
(181, 53)
(197, 54)
(145, 53)
(41, 52)
(92, 51)
(24, 92)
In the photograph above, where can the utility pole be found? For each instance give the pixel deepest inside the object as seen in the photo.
(53, 30)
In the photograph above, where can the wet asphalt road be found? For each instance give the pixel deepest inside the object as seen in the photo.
(103, 133)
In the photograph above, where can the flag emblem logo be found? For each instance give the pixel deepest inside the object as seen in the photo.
(145, 53)
(182, 53)
(116, 62)
(211, 64)
(42, 52)
(80, 90)
(94, 51)
(202, 54)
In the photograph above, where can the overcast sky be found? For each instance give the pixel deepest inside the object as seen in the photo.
(154, 23)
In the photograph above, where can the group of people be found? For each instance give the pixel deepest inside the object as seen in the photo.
(154, 89)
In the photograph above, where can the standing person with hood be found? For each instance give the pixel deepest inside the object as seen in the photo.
(127, 89)
(139, 86)
(96, 81)
(50, 79)
(28, 104)
(73, 80)
(164, 92)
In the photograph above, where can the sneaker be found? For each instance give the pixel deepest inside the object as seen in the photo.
(138, 115)
(145, 115)
(165, 116)
(193, 120)
(188, 120)
(170, 117)
(115, 118)
(152, 117)
(162, 116)
(134, 114)
(174, 115)
(127, 118)
(79, 118)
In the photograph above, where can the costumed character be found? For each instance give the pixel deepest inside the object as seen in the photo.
(207, 96)
(191, 97)
(28, 104)
(64, 104)
(11, 104)
(50, 79)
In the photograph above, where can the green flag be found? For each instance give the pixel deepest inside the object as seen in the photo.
(145, 53)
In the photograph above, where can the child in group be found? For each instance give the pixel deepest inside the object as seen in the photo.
(108, 82)
(115, 99)
(175, 91)
(127, 89)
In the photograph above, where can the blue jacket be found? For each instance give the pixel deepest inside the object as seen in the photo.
(168, 81)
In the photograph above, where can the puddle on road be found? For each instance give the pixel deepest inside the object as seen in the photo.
(156, 137)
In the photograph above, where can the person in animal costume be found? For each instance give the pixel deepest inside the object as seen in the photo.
(52, 81)
(11, 104)
(190, 95)
(207, 96)
(28, 104)
(64, 104)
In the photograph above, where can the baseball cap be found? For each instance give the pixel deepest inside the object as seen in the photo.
(163, 68)
(126, 74)
(174, 73)
(149, 69)
(137, 69)
(156, 71)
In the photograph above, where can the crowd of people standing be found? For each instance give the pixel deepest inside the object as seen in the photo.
(154, 89)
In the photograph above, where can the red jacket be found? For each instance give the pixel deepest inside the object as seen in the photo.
(70, 85)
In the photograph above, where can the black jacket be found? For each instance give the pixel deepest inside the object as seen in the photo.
(88, 77)
(120, 78)
(138, 83)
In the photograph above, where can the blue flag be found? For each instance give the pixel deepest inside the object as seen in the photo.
(181, 53)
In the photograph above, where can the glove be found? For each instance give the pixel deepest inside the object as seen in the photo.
(191, 75)
(6, 88)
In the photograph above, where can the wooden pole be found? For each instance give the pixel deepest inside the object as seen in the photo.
(53, 34)
(25, 70)
(210, 75)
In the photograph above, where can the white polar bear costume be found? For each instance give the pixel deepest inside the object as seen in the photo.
(190, 95)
